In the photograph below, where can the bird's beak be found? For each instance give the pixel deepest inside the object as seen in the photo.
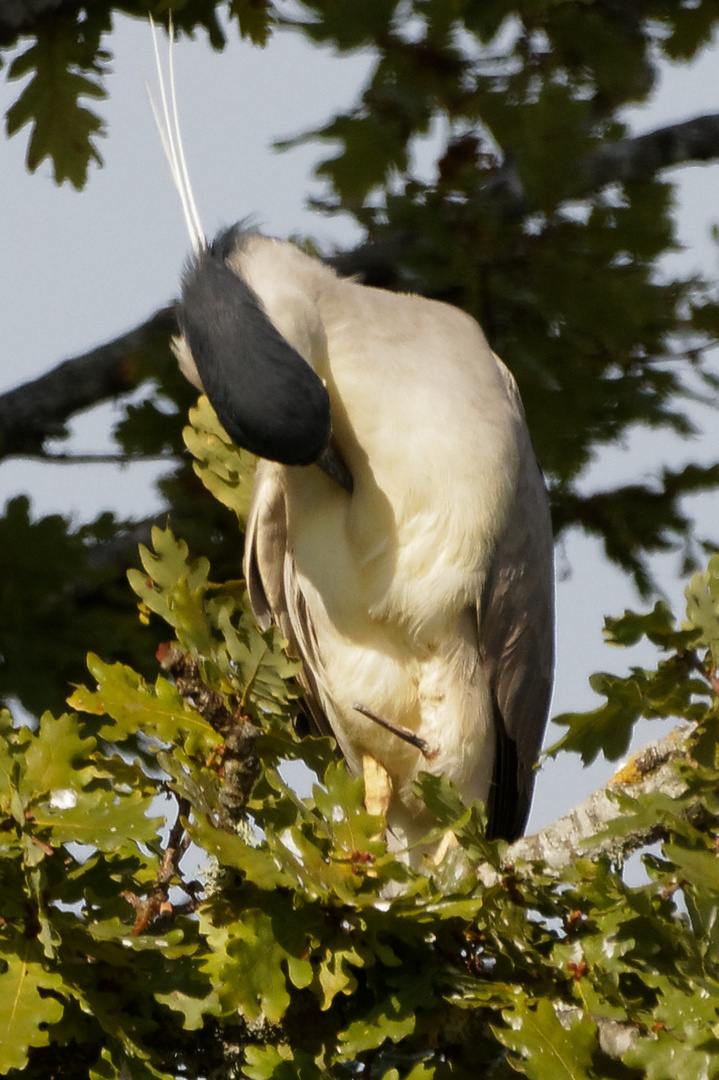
(332, 463)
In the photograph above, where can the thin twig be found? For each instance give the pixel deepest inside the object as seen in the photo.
(397, 729)
(157, 903)
(96, 459)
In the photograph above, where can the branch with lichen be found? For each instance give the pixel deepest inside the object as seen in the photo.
(585, 831)
(240, 764)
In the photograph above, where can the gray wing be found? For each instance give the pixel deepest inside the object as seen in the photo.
(272, 584)
(516, 635)
(265, 549)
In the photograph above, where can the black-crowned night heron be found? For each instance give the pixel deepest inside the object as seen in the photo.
(412, 570)
(399, 531)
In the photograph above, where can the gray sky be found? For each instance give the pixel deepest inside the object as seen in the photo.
(79, 269)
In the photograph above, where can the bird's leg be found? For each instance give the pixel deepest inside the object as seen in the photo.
(332, 463)
(377, 786)
(446, 844)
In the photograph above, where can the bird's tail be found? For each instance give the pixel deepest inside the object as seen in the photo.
(168, 125)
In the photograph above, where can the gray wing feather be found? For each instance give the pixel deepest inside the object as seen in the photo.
(273, 586)
(516, 635)
(265, 547)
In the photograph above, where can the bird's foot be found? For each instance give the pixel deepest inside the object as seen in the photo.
(448, 842)
(377, 786)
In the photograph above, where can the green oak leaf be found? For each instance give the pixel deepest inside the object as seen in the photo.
(544, 1047)
(226, 470)
(27, 1004)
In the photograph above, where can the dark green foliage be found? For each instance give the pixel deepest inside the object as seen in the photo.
(65, 63)
(63, 587)
(304, 948)
(45, 627)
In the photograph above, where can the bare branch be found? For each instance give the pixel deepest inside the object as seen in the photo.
(582, 832)
(157, 902)
(40, 409)
(635, 158)
(97, 459)
(643, 156)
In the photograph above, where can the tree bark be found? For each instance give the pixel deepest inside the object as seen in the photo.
(583, 832)
(641, 157)
(39, 410)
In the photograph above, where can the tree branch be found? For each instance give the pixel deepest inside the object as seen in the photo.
(98, 459)
(157, 902)
(582, 833)
(240, 764)
(40, 409)
(631, 159)
(639, 158)
(636, 158)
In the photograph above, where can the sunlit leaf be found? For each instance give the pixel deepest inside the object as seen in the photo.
(545, 1047)
(27, 1001)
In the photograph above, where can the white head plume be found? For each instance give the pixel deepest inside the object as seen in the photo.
(168, 126)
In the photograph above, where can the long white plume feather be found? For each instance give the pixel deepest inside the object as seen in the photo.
(168, 126)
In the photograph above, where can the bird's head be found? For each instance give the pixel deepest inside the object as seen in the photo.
(264, 392)
(266, 395)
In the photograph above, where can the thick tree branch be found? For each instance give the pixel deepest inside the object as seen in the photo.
(631, 159)
(635, 158)
(643, 156)
(582, 832)
(40, 409)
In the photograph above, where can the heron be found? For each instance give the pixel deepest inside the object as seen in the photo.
(399, 531)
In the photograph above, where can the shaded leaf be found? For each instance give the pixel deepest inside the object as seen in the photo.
(62, 129)
(226, 470)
